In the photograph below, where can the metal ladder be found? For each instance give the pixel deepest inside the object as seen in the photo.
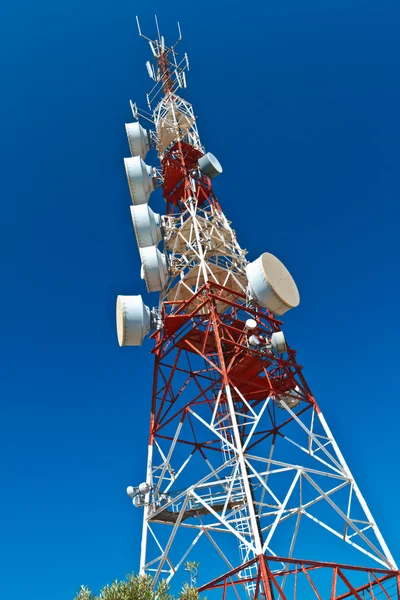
(242, 526)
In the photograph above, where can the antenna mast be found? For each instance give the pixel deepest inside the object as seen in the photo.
(243, 472)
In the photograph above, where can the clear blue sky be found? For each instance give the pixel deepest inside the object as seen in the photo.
(300, 102)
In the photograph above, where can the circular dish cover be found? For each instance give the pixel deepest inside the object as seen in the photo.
(133, 320)
(272, 285)
(280, 279)
(155, 270)
(251, 323)
(278, 342)
(141, 179)
(138, 139)
(209, 165)
(147, 225)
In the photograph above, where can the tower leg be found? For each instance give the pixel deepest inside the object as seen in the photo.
(266, 581)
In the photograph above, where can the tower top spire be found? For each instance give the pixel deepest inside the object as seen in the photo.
(158, 45)
(165, 70)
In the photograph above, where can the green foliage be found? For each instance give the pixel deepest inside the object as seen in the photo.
(134, 587)
(193, 568)
(84, 594)
(189, 593)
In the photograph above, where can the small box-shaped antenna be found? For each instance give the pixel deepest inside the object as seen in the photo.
(150, 70)
(153, 49)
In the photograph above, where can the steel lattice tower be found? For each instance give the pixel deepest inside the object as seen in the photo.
(243, 472)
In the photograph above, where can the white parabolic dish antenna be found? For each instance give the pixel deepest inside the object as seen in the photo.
(278, 342)
(138, 139)
(209, 165)
(141, 179)
(154, 268)
(271, 284)
(290, 399)
(133, 320)
(147, 225)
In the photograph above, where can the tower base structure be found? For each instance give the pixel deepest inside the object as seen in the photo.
(239, 447)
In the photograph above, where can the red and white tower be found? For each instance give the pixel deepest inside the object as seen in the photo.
(243, 473)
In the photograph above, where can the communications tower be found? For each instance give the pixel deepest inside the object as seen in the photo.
(243, 473)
